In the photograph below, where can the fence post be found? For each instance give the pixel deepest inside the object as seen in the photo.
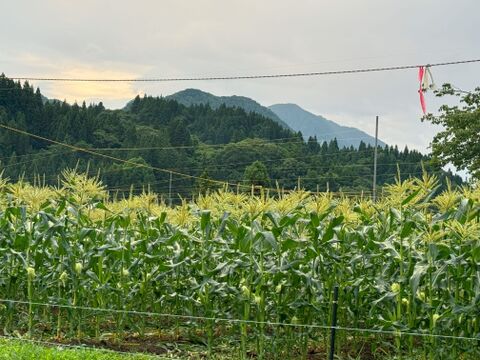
(170, 190)
(334, 323)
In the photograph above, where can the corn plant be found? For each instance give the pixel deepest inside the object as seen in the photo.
(408, 263)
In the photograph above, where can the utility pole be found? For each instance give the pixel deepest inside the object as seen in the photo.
(170, 190)
(374, 190)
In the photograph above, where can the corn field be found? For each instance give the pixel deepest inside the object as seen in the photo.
(409, 263)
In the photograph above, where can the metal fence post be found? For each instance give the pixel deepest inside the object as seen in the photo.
(334, 323)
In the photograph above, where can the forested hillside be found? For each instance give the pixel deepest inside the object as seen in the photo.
(225, 144)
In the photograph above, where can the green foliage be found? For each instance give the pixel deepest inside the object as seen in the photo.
(189, 97)
(203, 185)
(458, 143)
(257, 175)
(138, 177)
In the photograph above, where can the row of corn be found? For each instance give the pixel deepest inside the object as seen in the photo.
(407, 263)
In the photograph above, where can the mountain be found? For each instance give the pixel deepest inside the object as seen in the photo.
(290, 116)
(325, 130)
(190, 97)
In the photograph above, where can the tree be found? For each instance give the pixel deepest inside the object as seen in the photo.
(127, 175)
(202, 183)
(313, 145)
(333, 146)
(256, 174)
(178, 132)
(458, 143)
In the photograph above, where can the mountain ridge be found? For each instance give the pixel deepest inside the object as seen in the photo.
(191, 96)
(290, 116)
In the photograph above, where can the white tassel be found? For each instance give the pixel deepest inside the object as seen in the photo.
(432, 85)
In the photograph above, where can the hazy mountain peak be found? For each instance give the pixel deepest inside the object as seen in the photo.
(315, 125)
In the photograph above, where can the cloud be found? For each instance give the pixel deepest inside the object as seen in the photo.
(111, 94)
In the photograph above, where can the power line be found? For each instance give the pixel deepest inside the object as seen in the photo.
(223, 165)
(302, 178)
(143, 188)
(37, 158)
(212, 168)
(247, 77)
(341, 152)
(160, 182)
(234, 183)
(39, 154)
(240, 143)
(261, 142)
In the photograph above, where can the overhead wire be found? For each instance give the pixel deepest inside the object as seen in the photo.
(237, 184)
(37, 154)
(38, 158)
(302, 178)
(262, 142)
(342, 152)
(166, 181)
(248, 77)
(322, 155)
(213, 168)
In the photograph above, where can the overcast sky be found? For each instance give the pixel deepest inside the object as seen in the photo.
(138, 39)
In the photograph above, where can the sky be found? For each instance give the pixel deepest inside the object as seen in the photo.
(178, 38)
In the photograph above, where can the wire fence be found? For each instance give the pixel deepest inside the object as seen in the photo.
(396, 332)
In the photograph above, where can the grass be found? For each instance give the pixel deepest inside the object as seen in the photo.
(19, 350)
